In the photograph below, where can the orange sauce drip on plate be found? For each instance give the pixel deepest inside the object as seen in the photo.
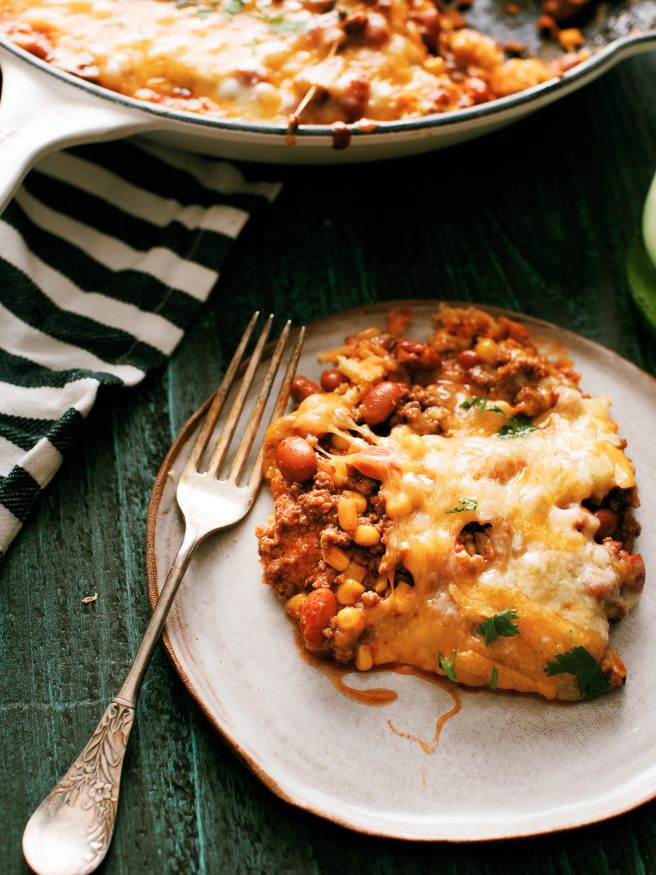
(373, 696)
(381, 695)
(335, 673)
(443, 685)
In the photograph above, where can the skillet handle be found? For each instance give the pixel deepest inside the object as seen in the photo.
(39, 113)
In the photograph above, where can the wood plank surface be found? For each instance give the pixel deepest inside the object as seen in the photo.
(536, 218)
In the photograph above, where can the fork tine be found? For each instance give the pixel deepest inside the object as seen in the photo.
(283, 397)
(246, 443)
(220, 396)
(221, 448)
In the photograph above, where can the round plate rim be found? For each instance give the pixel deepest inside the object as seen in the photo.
(161, 481)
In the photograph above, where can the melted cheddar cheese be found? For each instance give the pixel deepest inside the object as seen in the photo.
(274, 60)
(524, 494)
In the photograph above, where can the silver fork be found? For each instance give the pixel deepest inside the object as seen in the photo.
(70, 832)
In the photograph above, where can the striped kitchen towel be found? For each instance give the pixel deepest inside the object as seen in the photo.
(106, 254)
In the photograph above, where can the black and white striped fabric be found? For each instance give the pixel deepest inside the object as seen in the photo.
(106, 254)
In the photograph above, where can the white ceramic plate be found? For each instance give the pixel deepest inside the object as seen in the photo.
(506, 765)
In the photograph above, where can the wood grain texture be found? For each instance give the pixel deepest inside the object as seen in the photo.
(536, 218)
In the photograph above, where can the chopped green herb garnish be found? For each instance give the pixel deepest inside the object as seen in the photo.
(516, 426)
(498, 624)
(480, 404)
(464, 504)
(232, 7)
(287, 26)
(589, 676)
(494, 679)
(448, 666)
(202, 11)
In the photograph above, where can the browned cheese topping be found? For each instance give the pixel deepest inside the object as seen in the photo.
(280, 61)
(457, 505)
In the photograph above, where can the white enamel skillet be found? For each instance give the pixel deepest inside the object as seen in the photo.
(43, 109)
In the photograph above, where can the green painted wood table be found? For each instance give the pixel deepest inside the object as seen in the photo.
(536, 218)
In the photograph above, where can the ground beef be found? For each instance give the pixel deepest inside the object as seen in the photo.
(476, 539)
(304, 524)
(622, 501)
(532, 402)
(425, 409)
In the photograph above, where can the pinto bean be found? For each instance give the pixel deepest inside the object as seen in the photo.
(468, 358)
(417, 354)
(429, 22)
(296, 459)
(561, 10)
(316, 612)
(477, 89)
(355, 98)
(376, 31)
(380, 402)
(302, 387)
(331, 379)
(608, 522)
(376, 463)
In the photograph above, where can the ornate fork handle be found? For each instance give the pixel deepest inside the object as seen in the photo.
(72, 828)
(70, 832)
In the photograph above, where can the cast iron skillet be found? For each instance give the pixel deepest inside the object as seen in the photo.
(43, 108)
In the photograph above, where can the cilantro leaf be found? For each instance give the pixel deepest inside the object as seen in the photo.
(516, 426)
(589, 676)
(480, 404)
(464, 504)
(448, 666)
(210, 6)
(286, 25)
(475, 399)
(494, 679)
(498, 624)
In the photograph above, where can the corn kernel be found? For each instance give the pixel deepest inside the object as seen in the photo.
(355, 571)
(435, 65)
(359, 500)
(398, 506)
(340, 475)
(366, 536)
(336, 558)
(339, 442)
(414, 446)
(487, 350)
(293, 605)
(350, 620)
(349, 592)
(624, 470)
(363, 658)
(571, 39)
(347, 514)
(381, 584)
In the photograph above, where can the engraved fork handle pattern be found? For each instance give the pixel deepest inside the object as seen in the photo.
(70, 832)
(87, 795)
